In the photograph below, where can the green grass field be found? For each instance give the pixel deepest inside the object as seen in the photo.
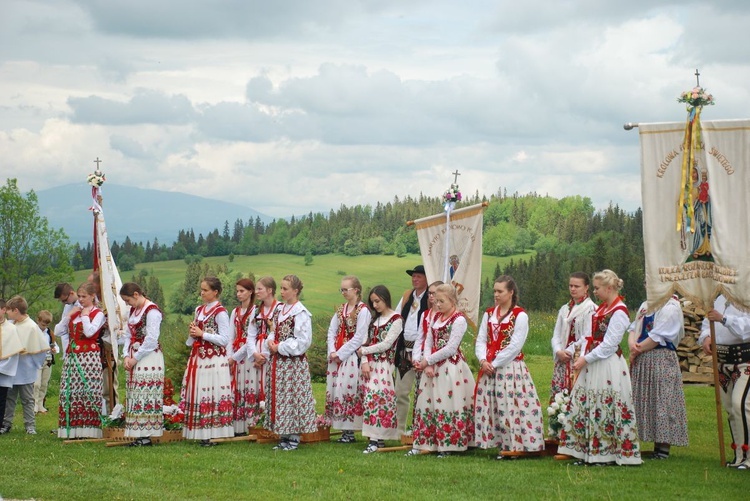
(41, 467)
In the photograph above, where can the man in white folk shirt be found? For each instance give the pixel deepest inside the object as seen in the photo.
(733, 354)
(67, 296)
(412, 306)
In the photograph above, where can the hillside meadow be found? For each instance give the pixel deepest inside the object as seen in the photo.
(321, 279)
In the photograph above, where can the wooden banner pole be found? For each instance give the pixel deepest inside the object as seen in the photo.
(717, 396)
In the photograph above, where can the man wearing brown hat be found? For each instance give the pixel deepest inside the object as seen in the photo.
(411, 306)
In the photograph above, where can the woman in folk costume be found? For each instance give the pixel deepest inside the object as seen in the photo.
(507, 414)
(290, 405)
(599, 423)
(444, 414)
(427, 319)
(257, 349)
(346, 333)
(379, 393)
(206, 395)
(244, 374)
(657, 380)
(81, 376)
(573, 323)
(144, 363)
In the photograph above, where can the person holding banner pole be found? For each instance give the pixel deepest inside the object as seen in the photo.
(573, 323)
(732, 334)
(412, 306)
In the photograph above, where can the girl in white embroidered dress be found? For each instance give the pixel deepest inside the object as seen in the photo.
(508, 414)
(379, 400)
(346, 333)
(600, 423)
(290, 405)
(242, 370)
(444, 414)
(206, 393)
(144, 363)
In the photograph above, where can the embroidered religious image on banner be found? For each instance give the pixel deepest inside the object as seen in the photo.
(695, 212)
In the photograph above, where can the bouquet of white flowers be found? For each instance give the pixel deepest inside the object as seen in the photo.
(557, 412)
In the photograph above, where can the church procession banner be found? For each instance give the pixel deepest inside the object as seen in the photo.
(452, 252)
(696, 236)
(109, 277)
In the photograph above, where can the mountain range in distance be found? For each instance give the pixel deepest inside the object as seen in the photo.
(139, 213)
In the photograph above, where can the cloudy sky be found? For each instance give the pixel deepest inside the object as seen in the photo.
(293, 106)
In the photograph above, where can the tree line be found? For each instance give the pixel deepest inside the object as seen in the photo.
(513, 224)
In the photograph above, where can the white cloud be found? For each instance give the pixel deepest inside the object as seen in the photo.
(295, 106)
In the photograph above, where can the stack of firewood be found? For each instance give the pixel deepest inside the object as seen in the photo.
(696, 366)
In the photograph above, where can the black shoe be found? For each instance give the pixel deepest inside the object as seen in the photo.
(4, 430)
(208, 443)
(442, 455)
(346, 438)
(141, 442)
(281, 445)
(292, 445)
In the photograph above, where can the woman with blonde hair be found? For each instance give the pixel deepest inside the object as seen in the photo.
(346, 333)
(444, 413)
(599, 423)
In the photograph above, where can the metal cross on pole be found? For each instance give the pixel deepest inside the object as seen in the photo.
(455, 176)
(97, 161)
(697, 78)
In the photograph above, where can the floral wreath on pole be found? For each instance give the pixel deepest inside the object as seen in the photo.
(451, 196)
(694, 100)
(96, 180)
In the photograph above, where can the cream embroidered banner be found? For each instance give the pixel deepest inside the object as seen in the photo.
(109, 277)
(452, 252)
(700, 247)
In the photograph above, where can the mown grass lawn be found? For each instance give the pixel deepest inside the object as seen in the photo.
(41, 467)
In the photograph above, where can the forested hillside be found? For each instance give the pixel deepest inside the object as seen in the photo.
(568, 235)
